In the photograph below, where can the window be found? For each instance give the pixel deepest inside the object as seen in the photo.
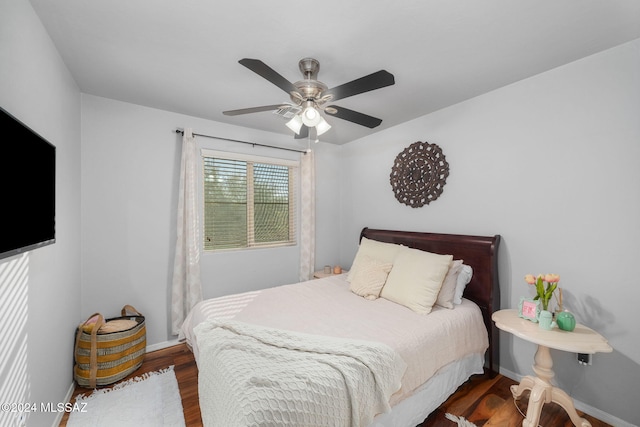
(248, 201)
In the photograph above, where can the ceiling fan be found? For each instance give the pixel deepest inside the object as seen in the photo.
(310, 96)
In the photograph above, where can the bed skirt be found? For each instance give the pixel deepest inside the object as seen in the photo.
(414, 409)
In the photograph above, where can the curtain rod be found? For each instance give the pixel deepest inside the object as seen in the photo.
(244, 142)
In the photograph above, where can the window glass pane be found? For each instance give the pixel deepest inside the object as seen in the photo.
(225, 203)
(271, 203)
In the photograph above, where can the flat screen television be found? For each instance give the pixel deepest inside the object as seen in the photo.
(27, 188)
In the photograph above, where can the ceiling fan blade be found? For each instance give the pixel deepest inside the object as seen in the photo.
(252, 110)
(268, 73)
(304, 132)
(373, 81)
(353, 116)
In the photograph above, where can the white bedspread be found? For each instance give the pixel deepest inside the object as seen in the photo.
(326, 307)
(256, 376)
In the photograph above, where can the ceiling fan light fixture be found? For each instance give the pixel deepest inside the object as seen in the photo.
(322, 126)
(311, 117)
(295, 124)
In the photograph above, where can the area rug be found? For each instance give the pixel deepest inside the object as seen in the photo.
(152, 399)
(459, 420)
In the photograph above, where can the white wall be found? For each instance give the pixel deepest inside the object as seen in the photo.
(549, 163)
(40, 291)
(130, 175)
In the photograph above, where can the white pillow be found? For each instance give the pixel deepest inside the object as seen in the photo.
(448, 289)
(416, 279)
(370, 277)
(464, 277)
(385, 252)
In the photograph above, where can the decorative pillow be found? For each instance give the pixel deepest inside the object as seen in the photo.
(416, 279)
(448, 289)
(370, 277)
(385, 252)
(464, 277)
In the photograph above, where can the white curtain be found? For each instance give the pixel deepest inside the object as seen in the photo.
(308, 216)
(187, 288)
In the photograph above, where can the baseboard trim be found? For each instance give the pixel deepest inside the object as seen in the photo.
(67, 399)
(580, 406)
(161, 345)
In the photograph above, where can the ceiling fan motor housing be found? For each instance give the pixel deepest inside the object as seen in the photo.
(309, 68)
(309, 89)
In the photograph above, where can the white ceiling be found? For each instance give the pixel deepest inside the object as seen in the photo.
(182, 56)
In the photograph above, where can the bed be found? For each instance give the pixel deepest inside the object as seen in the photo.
(412, 361)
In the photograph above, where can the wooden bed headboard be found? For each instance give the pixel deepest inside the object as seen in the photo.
(481, 253)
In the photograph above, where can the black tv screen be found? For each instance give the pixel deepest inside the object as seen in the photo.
(27, 188)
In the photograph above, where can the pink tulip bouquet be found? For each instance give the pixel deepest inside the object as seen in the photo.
(545, 285)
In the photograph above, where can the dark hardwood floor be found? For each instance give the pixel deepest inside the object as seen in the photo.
(485, 401)
(488, 402)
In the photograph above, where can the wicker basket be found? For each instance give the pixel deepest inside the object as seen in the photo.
(107, 351)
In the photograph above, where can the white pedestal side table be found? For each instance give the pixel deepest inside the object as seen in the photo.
(580, 340)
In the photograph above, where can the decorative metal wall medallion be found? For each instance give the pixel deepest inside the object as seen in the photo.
(418, 174)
